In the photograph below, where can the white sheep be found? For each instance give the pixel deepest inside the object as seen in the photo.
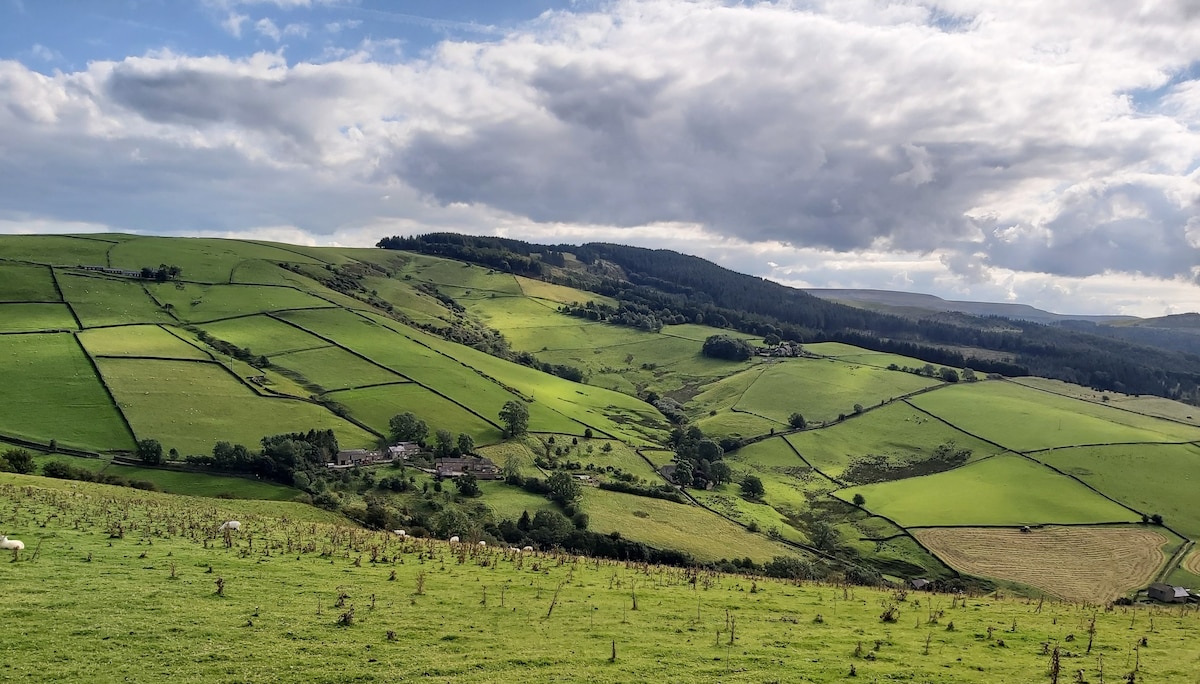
(13, 544)
(483, 543)
(230, 526)
(527, 549)
(454, 539)
(399, 533)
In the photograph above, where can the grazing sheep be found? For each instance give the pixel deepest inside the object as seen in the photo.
(483, 543)
(231, 526)
(527, 549)
(14, 544)
(399, 533)
(454, 539)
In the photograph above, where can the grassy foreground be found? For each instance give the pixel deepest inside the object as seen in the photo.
(121, 585)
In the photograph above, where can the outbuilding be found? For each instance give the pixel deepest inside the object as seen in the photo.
(1167, 593)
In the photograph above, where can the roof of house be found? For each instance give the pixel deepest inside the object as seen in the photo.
(919, 583)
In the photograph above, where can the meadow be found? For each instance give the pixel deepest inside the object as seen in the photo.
(321, 601)
(375, 406)
(200, 303)
(100, 301)
(138, 340)
(15, 318)
(334, 368)
(23, 283)
(1146, 404)
(263, 335)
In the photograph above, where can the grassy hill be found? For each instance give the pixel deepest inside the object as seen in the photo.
(120, 585)
(257, 339)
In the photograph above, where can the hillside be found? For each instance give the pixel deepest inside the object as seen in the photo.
(899, 302)
(870, 464)
(147, 581)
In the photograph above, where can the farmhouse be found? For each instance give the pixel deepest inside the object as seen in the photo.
(113, 271)
(403, 450)
(920, 584)
(482, 468)
(1167, 593)
(353, 457)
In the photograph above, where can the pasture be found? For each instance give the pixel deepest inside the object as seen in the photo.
(35, 318)
(206, 484)
(1088, 564)
(58, 250)
(482, 616)
(334, 368)
(207, 260)
(100, 301)
(375, 406)
(191, 406)
(866, 357)
(263, 335)
(138, 340)
(1001, 490)
(1152, 478)
(51, 392)
(1024, 419)
(1148, 404)
(25, 283)
(200, 303)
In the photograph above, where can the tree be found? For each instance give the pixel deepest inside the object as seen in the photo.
(752, 487)
(720, 472)
(17, 461)
(797, 421)
(587, 433)
(467, 485)
(565, 490)
(515, 416)
(550, 528)
(948, 374)
(726, 347)
(150, 451)
(709, 450)
(683, 474)
(444, 444)
(406, 427)
(860, 500)
(466, 444)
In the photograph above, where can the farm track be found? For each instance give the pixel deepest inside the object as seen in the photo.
(1083, 564)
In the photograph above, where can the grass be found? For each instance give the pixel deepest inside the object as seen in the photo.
(199, 303)
(35, 318)
(1074, 563)
(539, 289)
(821, 389)
(1002, 490)
(57, 250)
(206, 484)
(1025, 419)
(852, 354)
(20, 283)
(107, 301)
(334, 368)
(51, 392)
(902, 433)
(88, 593)
(620, 457)
(1147, 404)
(1150, 478)
(192, 406)
(138, 340)
(203, 259)
(263, 335)
(375, 406)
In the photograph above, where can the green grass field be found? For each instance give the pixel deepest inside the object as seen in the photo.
(108, 301)
(35, 318)
(203, 259)
(263, 335)
(1147, 404)
(138, 340)
(205, 484)
(191, 406)
(1002, 490)
(201, 303)
(898, 431)
(335, 368)
(852, 354)
(375, 406)
(1024, 419)
(1150, 478)
(23, 283)
(51, 392)
(58, 250)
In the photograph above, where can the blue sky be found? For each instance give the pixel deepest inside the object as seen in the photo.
(997, 150)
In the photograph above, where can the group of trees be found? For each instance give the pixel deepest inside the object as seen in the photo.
(161, 274)
(726, 347)
(281, 457)
(698, 459)
(229, 349)
(17, 461)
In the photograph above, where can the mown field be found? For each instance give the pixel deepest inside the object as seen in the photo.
(425, 609)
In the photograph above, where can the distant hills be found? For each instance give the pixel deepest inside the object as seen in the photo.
(901, 303)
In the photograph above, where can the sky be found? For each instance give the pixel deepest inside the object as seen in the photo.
(1044, 152)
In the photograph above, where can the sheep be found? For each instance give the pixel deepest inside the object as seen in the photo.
(482, 543)
(399, 533)
(231, 526)
(454, 539)
(14, 544)
(527, 549)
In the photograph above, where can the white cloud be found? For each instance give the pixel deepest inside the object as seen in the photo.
(44, 53)
(266, 27)
(233, 24)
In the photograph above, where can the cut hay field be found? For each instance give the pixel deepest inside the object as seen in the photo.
(24, 283)
(1024, 419)
(1134, 475)
(1001, 490)
(138, 340)
(16, 318)
(150, 596)
(192, 406)
(823, 389)
(107, 301)
(375, 406)
(51, 392)
(1090, 564)
(898, 431)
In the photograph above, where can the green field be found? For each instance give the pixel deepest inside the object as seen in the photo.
(263, 335)
(21, 283)
(1024, 419)
(199, 303)
(107, 301)
(204, 484)
(335, 368)
(1002, 490)
(852, 354)
(203, 259)
(51, 392)
(57, 250)
(898, 431)
(283, 605)
(138, 340)
(191, 406)
(1150, 478)
(35, 318)
(1147, 404)
(375, 406)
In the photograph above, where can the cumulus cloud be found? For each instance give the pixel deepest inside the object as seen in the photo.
(981, 139)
